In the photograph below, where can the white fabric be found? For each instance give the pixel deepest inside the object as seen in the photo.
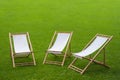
(20, 43)
(95, 45)
(60, 42)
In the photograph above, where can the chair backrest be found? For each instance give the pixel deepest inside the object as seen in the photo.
(96, 44)
(60, 42)
(20, 43)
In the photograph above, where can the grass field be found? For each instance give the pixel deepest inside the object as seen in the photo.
(42, 17)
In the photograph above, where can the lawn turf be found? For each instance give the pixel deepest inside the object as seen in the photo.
(42, 17)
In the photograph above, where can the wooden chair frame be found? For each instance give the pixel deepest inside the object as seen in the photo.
(14, 55)
(92, 59)
(64, 53)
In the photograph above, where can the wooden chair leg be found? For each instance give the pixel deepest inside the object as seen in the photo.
(104, 56)
(86, 67)
(64, 57)
(45, 58)
(72, 62)
(33, 59)
(13, 61)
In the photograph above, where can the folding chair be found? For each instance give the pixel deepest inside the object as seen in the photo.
(59, 46)
(96, 45)
(20, 47)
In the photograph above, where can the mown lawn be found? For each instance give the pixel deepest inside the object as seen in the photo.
(42, 17)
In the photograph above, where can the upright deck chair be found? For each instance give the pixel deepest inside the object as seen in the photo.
(59, 46)
(20, 47)
(96, 45)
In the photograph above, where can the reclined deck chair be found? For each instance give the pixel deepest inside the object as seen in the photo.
(59, 46)
(96, 45)
(20, 47)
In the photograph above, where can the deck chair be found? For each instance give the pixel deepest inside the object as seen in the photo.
(96, 45)
(59, 46)
(20, 47)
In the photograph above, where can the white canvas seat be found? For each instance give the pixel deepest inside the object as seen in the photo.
(97, 44)
(62, 41)
(21, 47)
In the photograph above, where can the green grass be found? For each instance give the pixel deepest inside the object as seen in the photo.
(42, 17)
